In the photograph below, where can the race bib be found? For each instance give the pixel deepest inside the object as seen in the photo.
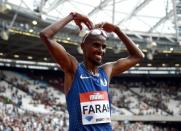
(95, 107)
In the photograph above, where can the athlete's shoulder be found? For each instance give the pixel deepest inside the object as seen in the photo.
(107, 67)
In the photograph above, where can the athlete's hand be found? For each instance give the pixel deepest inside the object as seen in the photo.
(79, 19)
(108, 27)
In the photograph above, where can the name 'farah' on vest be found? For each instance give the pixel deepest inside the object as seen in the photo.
(97, 108)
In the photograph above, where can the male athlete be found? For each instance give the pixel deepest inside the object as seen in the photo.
(86, 84)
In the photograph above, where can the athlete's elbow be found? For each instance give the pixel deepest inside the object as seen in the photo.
(140, 57)
(43, 36)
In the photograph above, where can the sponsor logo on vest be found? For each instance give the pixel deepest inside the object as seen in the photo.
(99, 119)
(96, 97)
(84, 77)
(103, 82)
(89, 118)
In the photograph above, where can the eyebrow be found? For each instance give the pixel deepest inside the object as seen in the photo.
(101, 43)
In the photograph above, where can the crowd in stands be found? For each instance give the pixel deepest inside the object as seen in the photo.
(147, 99)
(39, 93)
(12, 119)
(141, 126)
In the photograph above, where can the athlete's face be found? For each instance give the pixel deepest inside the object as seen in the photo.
(94, 50)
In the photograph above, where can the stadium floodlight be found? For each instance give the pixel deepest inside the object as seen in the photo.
(179, 42)
(151, 48)
(4, 7)
(151, 44)
(149, 56)
(4, 35)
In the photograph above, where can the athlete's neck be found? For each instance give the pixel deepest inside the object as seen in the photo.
(92, 69)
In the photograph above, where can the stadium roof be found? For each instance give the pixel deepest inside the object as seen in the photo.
(139, 16)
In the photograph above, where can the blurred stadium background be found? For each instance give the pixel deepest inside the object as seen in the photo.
(145, 98)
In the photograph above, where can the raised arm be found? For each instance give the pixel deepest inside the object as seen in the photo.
(64, 59)
(122, 64)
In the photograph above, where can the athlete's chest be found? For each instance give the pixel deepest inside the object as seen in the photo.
(89, 81)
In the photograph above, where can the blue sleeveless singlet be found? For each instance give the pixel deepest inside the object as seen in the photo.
(85, 82)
